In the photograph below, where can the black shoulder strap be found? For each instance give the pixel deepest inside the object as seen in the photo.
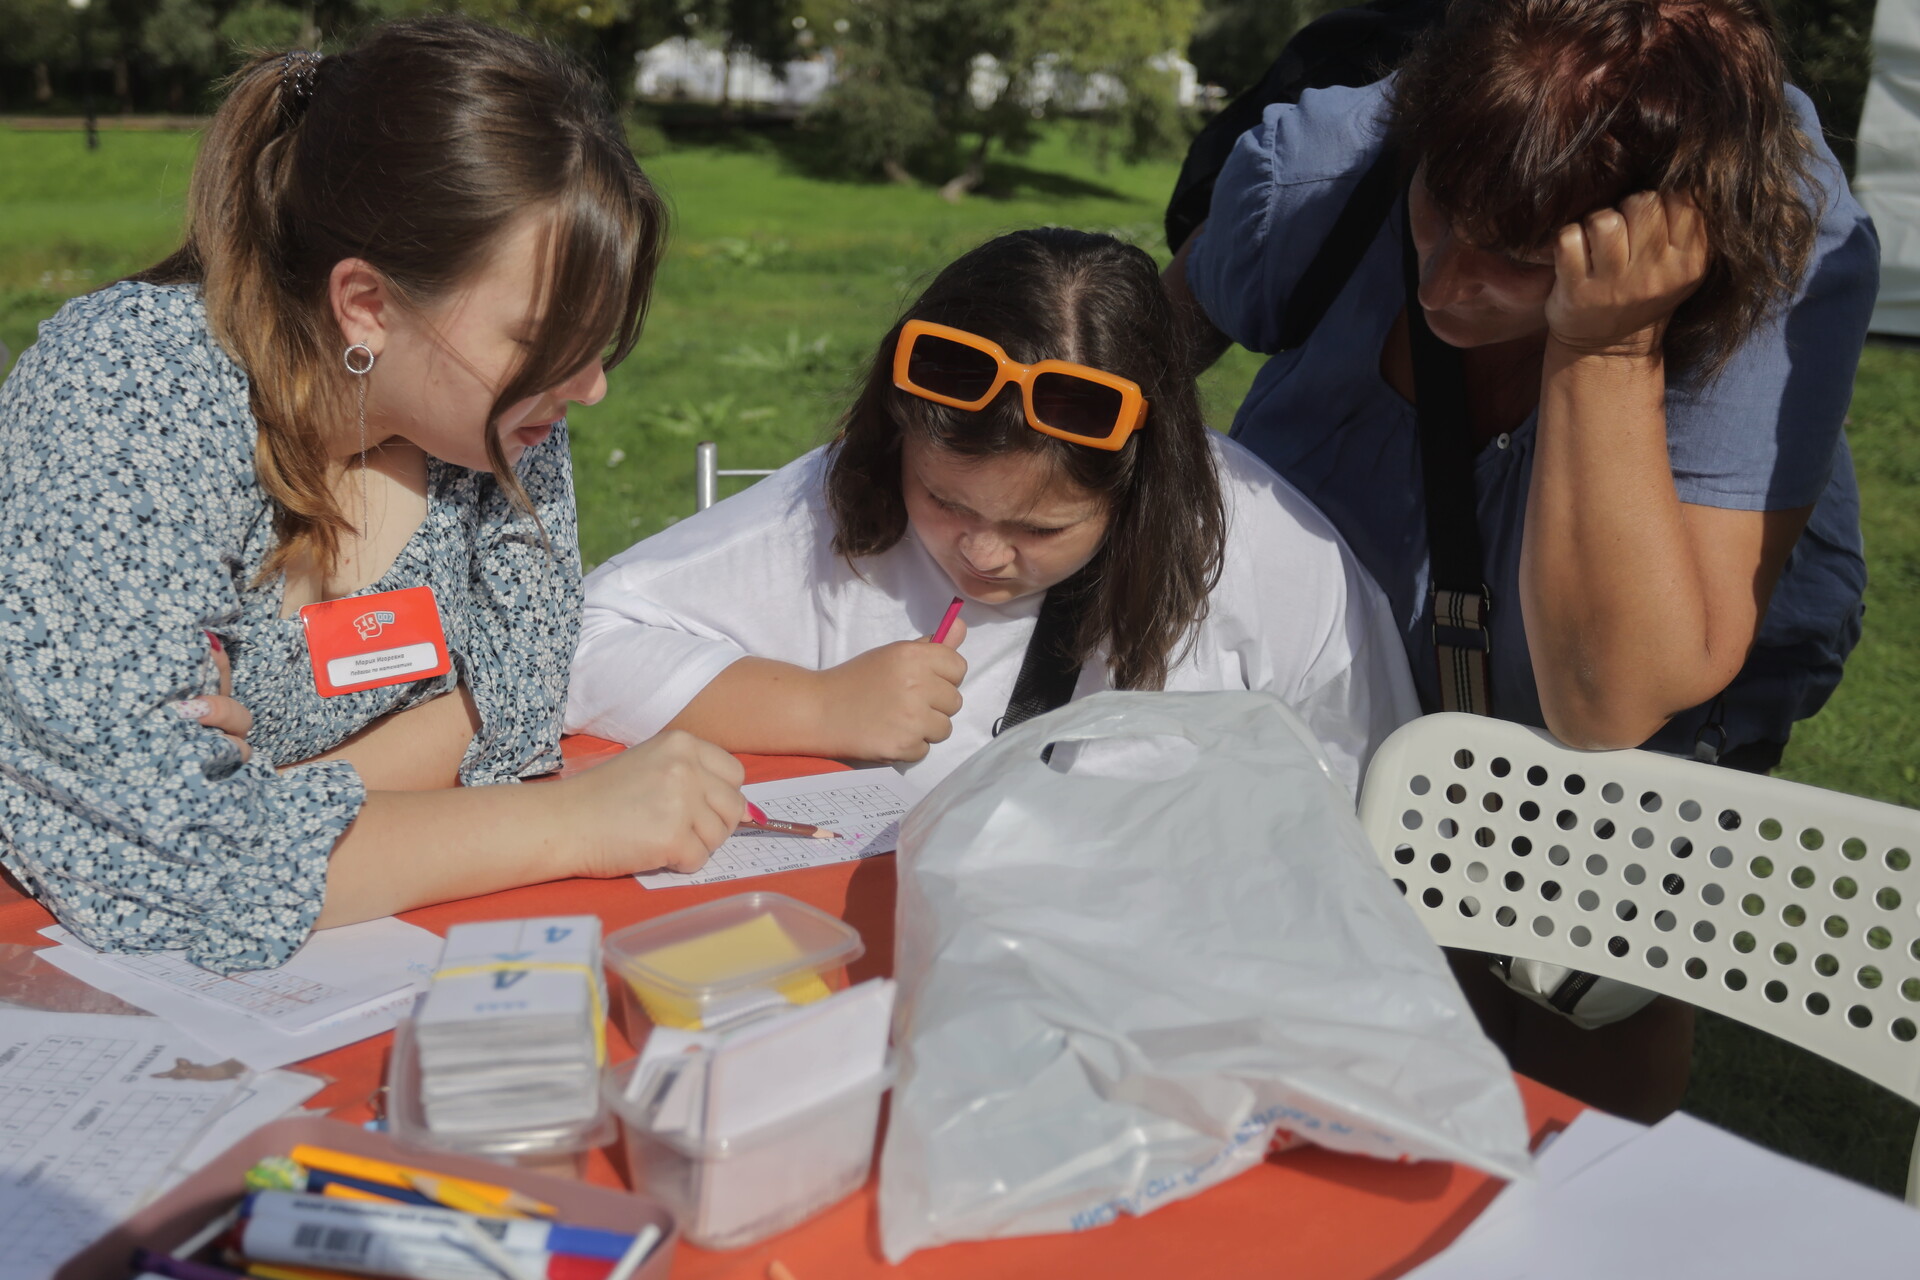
(1339, 255)
(1456, 580)
(1049, 671)
(1352, 47)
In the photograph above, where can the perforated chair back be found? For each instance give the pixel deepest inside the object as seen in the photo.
(1784, 906)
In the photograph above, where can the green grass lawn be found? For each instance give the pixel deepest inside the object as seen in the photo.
(775, 291)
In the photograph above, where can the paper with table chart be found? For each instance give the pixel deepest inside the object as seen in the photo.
(338, 970)
(261, 1100)
(346, 984)
(864, 806)
(94, 1111)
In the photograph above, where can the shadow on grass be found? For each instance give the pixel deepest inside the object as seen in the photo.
(705, 125)
(807, 153)
(1799, 1104)
(1006, 181)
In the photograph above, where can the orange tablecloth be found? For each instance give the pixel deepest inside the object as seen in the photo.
(1309, 1214)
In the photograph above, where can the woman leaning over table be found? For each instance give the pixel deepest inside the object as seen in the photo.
(402, 263)
(1625, 223)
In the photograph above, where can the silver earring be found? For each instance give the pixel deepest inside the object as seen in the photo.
(359, 359)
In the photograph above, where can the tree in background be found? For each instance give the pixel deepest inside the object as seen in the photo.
(1829, 45)
(264, 25)
(762, 29)
(179, 35)
(1828, 50)
(40, 36)
(1234, 41)
(934, 86)
(903, 102)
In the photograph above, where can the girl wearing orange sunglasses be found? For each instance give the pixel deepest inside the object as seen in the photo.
(1025, 438)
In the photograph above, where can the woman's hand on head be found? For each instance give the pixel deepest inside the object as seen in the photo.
(891, 703)
(1619, 274)
(667, 802)
(219, 710)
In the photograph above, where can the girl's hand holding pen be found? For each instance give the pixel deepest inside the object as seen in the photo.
(889, 704)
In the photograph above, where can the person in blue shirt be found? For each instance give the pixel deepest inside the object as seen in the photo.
(1658, 284)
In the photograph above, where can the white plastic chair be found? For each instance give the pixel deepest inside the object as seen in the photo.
(707, 473)
(1786, 907)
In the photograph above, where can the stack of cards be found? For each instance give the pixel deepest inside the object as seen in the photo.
(512, 1030)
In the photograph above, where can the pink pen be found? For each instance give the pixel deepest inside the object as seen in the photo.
(946, 623)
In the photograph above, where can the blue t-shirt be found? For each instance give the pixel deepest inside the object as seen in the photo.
(1765, 436)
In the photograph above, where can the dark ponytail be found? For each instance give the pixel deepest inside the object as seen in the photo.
(412, 151)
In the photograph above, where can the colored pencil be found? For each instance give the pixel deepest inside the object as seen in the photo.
(757, 820)
(161, 1264)
(395, 1175)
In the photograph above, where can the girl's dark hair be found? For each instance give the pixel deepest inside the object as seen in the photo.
(1067, 295)
(1531, 114)
(414, 150)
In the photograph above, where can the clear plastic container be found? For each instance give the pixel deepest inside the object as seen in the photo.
(704, 967)
(553, 1148)
(734, 1192)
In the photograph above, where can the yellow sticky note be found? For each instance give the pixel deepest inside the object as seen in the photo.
(716, 959)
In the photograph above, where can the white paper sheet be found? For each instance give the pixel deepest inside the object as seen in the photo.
(1592, 1136)
(94, 1110)
(1682, 1201)
(402, 950)
(336, 972)
(864, 806)
(262, 1099)
(790, 1063)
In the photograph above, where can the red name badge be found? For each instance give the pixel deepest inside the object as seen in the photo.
(364, 642)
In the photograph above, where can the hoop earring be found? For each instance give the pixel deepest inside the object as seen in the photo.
(359, 360)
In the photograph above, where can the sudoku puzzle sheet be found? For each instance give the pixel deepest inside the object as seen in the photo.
(86, 1129)
(865, 807)
(271, 993)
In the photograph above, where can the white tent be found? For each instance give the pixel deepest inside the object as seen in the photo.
(683, 68)
(1887, 173)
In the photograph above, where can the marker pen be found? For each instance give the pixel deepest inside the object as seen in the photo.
(411, 1242)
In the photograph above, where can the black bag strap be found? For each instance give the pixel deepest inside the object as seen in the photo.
(1351, 47)
(1354, 232)
(1457, 582)
(1049, 670)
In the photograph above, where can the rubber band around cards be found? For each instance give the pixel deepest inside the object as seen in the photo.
(530, 966)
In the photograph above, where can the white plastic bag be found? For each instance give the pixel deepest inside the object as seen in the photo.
(1121, 972)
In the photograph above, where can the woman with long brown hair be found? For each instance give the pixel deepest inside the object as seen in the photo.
(1029, 439)
(1599, 354)
(287, 540)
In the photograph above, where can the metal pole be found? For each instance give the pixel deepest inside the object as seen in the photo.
(86, 80)
(706, 483)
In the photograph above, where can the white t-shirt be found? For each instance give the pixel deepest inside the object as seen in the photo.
(1293, 614)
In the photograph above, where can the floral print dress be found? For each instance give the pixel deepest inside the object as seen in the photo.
(131, 524)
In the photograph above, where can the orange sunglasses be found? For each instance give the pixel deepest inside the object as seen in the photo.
(1065, 400)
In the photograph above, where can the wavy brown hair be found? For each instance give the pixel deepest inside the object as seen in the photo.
(1064, 295)
(1531, 114)
(415, 150)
